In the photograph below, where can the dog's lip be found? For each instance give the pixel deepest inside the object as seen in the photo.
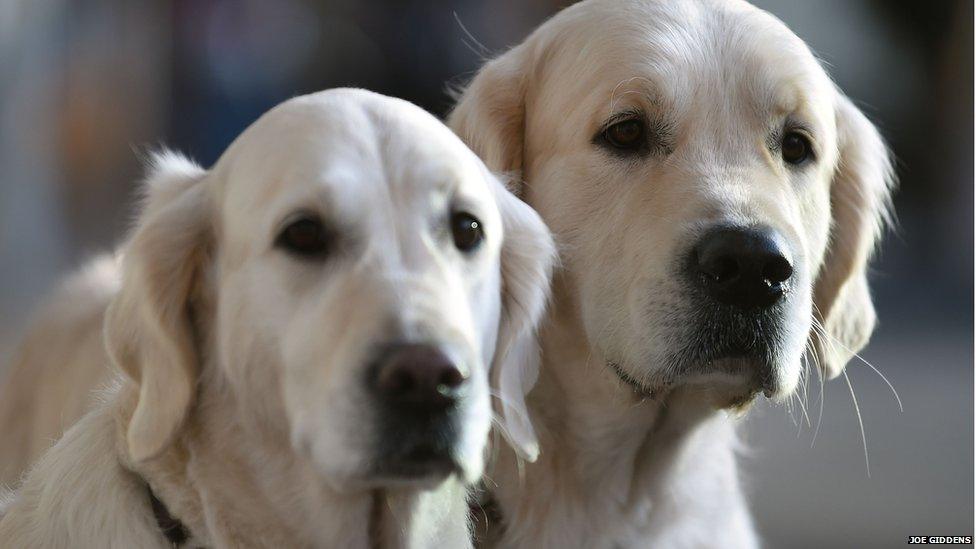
(420, 463)
(754, 374)
(754, 377)
(642, 390)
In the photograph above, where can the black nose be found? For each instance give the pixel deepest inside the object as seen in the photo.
(418, 377)
(746, 267)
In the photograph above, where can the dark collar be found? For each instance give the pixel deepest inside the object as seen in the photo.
(174, 530)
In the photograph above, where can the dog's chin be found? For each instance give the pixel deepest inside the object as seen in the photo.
(734, 382)
(730, 382)
(421, 468)
(421, 474)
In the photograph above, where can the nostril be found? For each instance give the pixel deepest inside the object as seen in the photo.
(777, 270)
(450, 378)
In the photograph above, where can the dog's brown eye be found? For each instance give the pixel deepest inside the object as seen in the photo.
(304, 237)
(626, 135)
(467, 231)
(795, 148)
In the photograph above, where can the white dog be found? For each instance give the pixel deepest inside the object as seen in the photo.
(637, 129)
(305, 332)
(716, 199)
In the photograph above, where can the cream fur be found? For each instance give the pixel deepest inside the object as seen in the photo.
(58, 364)
(715, 80)
(605, 475)
(242, 402)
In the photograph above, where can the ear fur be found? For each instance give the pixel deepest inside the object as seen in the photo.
(490, 118)
(148, 331)
(527, 258)
(490, 115)
(860, 209)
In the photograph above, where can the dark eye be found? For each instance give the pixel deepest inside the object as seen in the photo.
(305, 237)
(626, 135)
(467, 231)
(795, 148)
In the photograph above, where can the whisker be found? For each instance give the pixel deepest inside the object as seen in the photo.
(823, 389)
(860, 423)
(802, 396)
(803, 411)
(820, 377)
(885, 379)
(805, 381)
(789, 409)
(835, 341)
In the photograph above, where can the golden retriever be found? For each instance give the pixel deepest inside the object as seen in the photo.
(305, 332)
(715, 199)
(665, 142)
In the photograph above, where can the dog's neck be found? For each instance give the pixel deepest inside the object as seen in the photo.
(234, 486)
(606, 453)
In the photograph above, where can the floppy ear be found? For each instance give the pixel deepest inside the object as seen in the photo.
(490, 114)
(527, 259)
(148, 330)
(860, 209)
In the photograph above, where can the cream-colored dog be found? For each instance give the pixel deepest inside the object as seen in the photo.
(305, 332)
(716, 199)
(666, 143)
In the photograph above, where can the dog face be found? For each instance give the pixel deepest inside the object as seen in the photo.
(350, 254)
(711, 190)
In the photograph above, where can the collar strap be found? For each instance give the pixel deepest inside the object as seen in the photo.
(174, 530)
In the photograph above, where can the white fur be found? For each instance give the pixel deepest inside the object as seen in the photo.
(244, 403)
(57, 365)
(716, 79)
(610, 469)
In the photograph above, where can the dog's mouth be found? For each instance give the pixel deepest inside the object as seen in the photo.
(738, 364)
(733, 382)
(424, 464)
(417, 449)
(741, 375)
(641, 388)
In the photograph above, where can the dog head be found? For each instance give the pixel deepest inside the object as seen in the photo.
(715, 196)
(347, 273)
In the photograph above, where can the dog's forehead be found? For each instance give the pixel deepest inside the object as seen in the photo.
(683, 54)
(355, 146)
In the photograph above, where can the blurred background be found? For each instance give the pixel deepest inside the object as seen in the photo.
(87, 86)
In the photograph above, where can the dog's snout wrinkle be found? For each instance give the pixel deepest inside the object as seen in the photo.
(745, 267)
